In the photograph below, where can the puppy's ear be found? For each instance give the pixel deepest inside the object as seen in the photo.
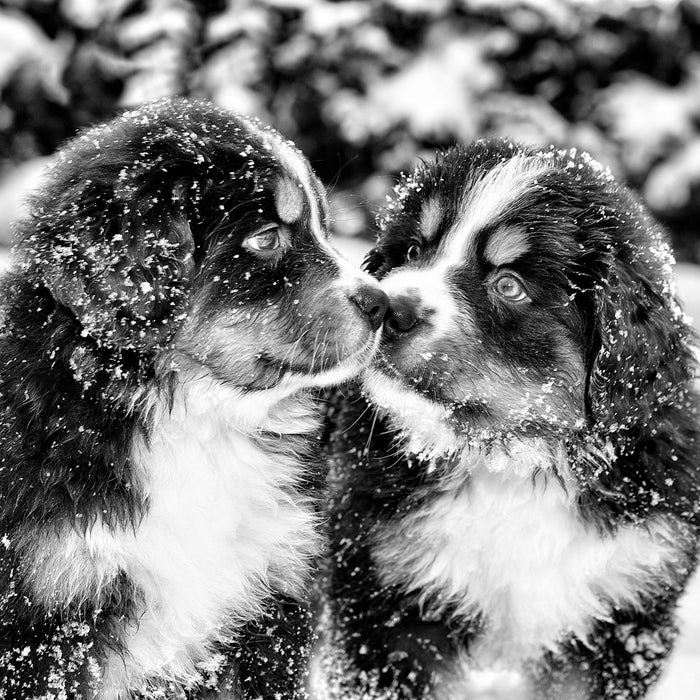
(641, 404)
(641, 362)
(641, 357)
(120, 258)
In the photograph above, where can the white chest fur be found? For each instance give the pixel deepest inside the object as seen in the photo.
(225, 524)
(513, 550)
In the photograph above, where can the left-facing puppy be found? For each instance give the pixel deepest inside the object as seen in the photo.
(174, 302)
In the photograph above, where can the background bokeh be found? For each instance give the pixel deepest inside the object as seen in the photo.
(366, 87)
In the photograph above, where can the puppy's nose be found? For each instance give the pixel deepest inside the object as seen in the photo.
(400, 317)
(373, 303)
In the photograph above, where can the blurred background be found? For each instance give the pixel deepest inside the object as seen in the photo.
(365, 87)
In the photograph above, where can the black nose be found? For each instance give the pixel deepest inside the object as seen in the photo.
(373, 303)
(400, 317)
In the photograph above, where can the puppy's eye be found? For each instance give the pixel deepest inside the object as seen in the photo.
(266, 240)
(510, 287)
(413, 252)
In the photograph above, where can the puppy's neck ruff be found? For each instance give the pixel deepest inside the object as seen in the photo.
(227, 522)
(284, 410)
(508, 547)
(499, 538)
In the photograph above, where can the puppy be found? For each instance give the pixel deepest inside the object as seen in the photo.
(519, 516)
(174, 307)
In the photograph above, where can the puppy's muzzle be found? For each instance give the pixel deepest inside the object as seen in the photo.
(372, 302)
(400, 318)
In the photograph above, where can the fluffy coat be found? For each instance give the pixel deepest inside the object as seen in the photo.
(515, 488)
(164, 328)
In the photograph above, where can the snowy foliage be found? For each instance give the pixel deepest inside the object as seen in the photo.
(366, 88)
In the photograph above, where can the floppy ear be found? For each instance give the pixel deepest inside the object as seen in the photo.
(641, 403)
(120, 259)
(642, 363)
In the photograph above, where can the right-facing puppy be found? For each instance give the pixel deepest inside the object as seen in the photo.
(519, 514)
(174, 305)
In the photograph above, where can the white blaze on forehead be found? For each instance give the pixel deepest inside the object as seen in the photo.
(430, 217)
(506, 245)
(486, 200)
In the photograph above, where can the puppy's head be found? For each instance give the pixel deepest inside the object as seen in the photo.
(185, 232)
(529, 296)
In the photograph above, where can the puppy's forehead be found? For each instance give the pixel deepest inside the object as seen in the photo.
(297, 192)
(295, 186)
(485, 202)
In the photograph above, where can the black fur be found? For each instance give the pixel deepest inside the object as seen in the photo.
(598, 275)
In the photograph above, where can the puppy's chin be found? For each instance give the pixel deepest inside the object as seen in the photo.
(349, 365)
(261, 351)
(424, 424)
(482, 410)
